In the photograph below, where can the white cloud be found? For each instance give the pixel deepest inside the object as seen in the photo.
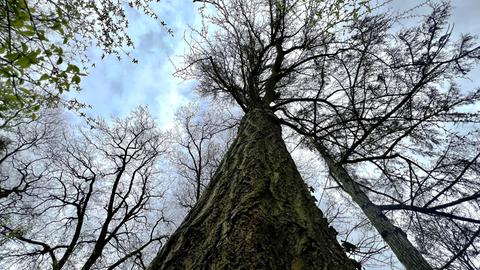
(115, 87)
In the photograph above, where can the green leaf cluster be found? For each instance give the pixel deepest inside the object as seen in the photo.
(32, 73)
(43, 45)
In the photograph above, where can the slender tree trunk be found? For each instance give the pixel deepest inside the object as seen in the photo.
(256, 212)
(397, 239)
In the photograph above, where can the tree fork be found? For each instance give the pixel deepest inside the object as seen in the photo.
(256, 212)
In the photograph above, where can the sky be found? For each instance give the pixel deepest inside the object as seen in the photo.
(114, 88)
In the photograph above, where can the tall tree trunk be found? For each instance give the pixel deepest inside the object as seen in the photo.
(256, 212)
(395, 237)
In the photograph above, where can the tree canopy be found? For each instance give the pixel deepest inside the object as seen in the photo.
(43, 47)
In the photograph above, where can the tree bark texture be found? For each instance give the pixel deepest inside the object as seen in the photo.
(395, 237)
(256, 212)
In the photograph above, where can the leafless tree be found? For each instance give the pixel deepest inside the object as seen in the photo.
(97, 203)
(201, 138)
(17, 173)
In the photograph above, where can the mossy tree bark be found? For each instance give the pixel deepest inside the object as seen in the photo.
(256, 213)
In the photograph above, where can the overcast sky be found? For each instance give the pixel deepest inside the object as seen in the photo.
(115, 87)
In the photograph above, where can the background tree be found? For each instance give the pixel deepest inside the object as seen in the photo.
(97, 202)
(201, 139)
(17, 173)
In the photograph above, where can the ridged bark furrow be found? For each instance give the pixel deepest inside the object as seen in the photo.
(256, 213)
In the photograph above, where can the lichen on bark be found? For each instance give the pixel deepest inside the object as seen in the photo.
(256, 213)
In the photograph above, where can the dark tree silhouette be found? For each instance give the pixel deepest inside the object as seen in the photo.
(386, 117)
(95, 202)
